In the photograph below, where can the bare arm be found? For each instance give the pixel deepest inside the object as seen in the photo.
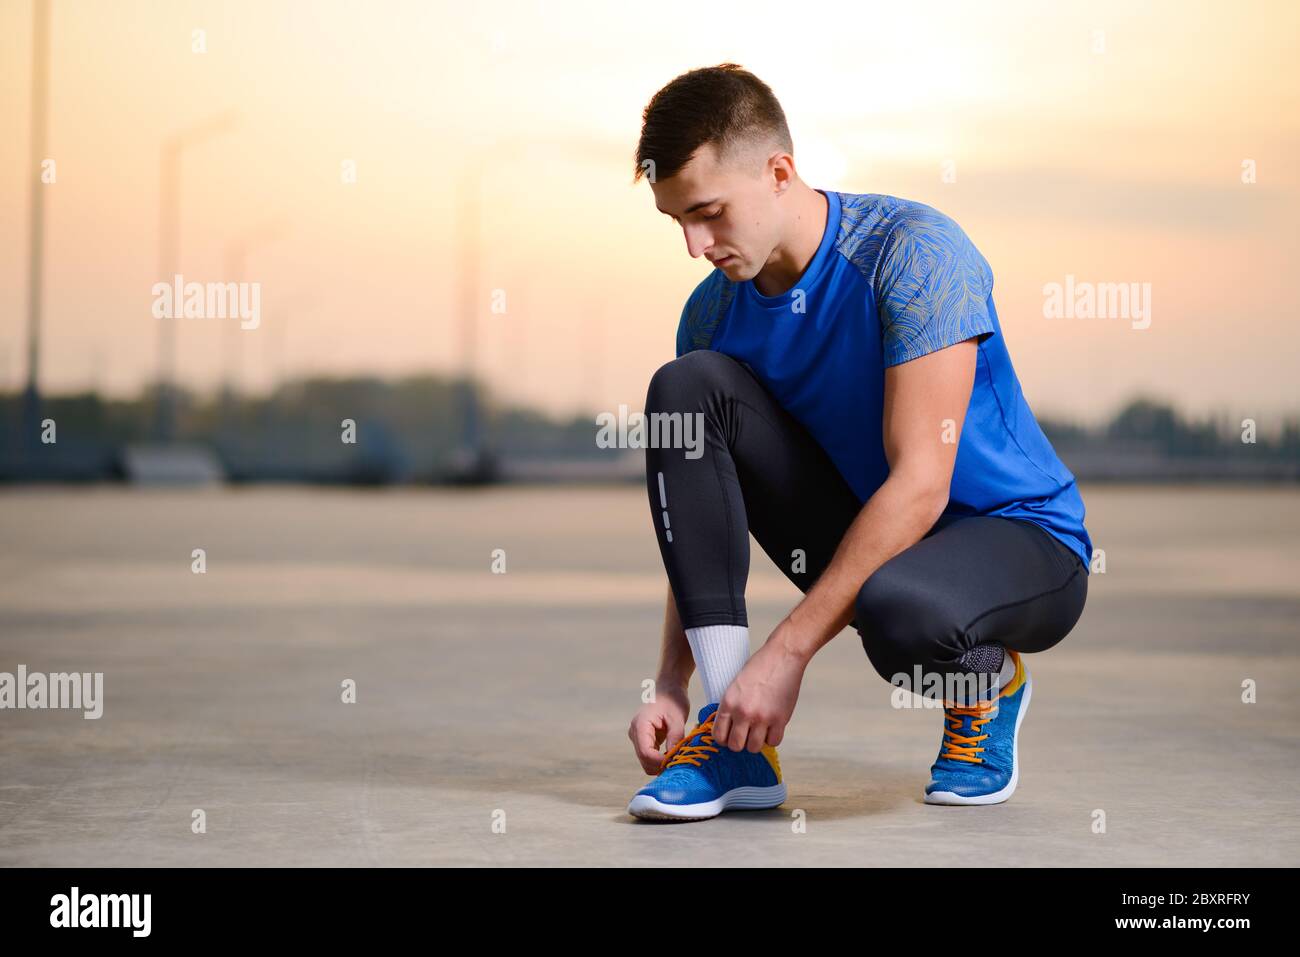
(676, 664)
(925, 407)
(662, 720)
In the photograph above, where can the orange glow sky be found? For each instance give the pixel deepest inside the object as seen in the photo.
(1119, 166)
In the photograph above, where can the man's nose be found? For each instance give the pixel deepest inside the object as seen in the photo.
(698, 240)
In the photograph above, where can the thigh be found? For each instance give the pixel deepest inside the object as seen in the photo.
(992, 579)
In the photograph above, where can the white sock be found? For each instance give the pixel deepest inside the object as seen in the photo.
(720, 652)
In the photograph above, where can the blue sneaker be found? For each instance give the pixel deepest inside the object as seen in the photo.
(701, 779)
(978, 762)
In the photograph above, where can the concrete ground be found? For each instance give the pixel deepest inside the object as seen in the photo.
(487, 698)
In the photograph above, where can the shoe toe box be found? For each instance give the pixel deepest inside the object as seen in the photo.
(678, 787)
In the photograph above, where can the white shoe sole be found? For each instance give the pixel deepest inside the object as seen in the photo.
(995, 797)
(737, 799)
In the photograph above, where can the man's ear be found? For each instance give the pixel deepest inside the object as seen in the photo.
(782, 173)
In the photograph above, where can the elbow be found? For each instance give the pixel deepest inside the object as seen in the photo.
(933, 503)
(930, 500)
(927, 494)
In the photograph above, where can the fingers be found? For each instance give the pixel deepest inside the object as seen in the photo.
(722, 727)
(740, 732)
(646, 735)
(676, 731)
(735, 731)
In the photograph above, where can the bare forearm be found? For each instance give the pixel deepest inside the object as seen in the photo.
(676, 663)
(895, 518)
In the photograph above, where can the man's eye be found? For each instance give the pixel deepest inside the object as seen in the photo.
(717, 215)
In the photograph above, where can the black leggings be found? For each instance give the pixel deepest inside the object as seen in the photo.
(970, 580)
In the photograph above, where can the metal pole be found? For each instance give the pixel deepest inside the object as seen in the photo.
(237, 253)
(168, 256)
(169, 242)
(236, 259)
(36, 225)
(471, 210)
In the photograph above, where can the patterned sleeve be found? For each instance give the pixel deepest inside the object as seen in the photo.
(683, 327)
(933, 287)
(704, 309)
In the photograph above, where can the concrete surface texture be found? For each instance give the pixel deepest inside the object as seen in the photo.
(491, 709)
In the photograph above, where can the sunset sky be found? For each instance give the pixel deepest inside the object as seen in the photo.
(1112, 156)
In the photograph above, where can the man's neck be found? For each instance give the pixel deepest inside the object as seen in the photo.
(807, 226)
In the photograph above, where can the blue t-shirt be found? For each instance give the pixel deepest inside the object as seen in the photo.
(892, 280)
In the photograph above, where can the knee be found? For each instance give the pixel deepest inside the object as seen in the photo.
(681, 382)
(900, 625)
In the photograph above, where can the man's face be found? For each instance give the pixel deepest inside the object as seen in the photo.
(728, 212)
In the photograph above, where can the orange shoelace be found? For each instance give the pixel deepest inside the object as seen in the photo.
(683, 753)
(961, 747)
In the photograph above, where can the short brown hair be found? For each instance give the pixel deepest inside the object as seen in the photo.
(724, 105)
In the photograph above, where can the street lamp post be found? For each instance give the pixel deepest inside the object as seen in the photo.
(475, 460)
(169, 241)
(237, 253)
(36, 225)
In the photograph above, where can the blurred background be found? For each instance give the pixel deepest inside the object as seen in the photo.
(434, 204)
